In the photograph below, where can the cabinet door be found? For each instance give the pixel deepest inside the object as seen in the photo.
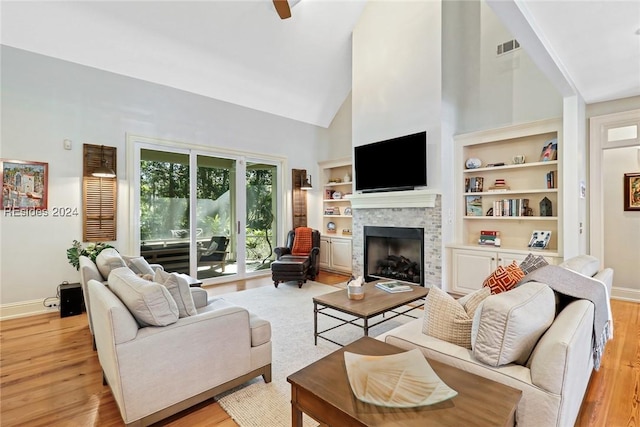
(341, 254)
(471, 268)
(325, 252)
(506, 258)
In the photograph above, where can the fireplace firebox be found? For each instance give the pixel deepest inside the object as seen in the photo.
(394, 253)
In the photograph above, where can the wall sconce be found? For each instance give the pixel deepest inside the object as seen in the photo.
(103, 171)
(305, 182)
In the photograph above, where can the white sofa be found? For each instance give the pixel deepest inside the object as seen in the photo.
(157, 371)
(554, 378)
(89, 271)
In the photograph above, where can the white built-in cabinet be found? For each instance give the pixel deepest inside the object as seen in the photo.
(471, 262)
(335, 245)
(335, 254)
(472, 266)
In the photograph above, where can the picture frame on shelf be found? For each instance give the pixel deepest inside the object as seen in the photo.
(540, 239)
(632, 191)
(474, 205)
(347, 210)
(474, 184)
(24, 184)
(549, 150)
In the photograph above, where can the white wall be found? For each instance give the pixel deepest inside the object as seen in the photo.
(491, 91)
(45, 100)
(397, 75)
(621, 228)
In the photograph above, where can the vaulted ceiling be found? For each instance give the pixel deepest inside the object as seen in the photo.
(243, 53)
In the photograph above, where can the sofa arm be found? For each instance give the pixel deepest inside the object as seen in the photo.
(200, 297)
(156, 267)
(561, 362)
(281, 250)
(606, 277)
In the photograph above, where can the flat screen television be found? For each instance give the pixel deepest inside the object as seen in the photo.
(392, 165)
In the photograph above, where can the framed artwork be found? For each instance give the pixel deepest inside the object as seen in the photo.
(24, 184)
(549, 151)
(540, 239)
(632, 191)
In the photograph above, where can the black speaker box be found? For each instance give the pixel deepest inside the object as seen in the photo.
(70, 299)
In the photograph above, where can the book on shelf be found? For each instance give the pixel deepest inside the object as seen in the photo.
(393, 287)
(510, 207)
(474, 205)
(551, 179)
(489, 237)
(500, 185)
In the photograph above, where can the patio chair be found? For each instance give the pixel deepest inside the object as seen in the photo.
(215, 254)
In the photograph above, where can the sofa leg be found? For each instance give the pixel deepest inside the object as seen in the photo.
(300, 282)
(266, 375)
(275, 283)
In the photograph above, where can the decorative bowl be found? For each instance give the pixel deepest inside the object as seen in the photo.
(473, 163)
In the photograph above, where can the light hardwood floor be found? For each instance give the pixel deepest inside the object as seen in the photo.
(51, 376)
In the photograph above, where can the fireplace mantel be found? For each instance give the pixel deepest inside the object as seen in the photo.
(394, 199)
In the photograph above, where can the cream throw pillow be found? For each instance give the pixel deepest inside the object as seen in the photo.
(109, 259)
(448, 319)
(507, 326)
(150, 303)
(179, 289)
(138, 264)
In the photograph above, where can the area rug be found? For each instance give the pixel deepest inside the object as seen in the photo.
(290, 311)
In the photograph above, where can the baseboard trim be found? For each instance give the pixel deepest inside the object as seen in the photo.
(626, 294)
(24, 309)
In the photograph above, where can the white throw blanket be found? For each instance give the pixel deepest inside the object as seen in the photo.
(577, 285)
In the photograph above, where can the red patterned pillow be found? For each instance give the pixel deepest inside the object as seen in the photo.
(503, 279)
(515, 270)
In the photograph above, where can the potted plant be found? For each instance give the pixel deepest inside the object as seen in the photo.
(91, 251)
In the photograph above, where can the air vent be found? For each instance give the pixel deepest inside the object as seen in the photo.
(507, 47)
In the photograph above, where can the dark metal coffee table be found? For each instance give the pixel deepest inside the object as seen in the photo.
(374, 303)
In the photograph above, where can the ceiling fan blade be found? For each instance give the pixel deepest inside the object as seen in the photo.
(283, 9)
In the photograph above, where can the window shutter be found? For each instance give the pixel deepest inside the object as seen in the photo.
(99, 196)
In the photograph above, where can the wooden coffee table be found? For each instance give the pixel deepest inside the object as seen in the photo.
(322, 391)
(375, 302)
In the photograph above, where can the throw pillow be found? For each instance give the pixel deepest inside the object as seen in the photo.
(504, 278)
(446, 319)
(472, 301)
(303, 241)
(507, 326)
(532, 262)
(180, 290)
(138, 264)
(150, 303)
(109, 259)
(583, 264)
(515, 270)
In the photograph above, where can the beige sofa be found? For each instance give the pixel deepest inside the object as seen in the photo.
(554, 377)
(157, 371)
(89, 271)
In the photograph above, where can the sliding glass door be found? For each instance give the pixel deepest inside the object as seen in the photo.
(217, 242)
(210, 216)
(261, 214)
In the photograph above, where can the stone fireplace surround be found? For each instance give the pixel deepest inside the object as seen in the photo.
(415, 208)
